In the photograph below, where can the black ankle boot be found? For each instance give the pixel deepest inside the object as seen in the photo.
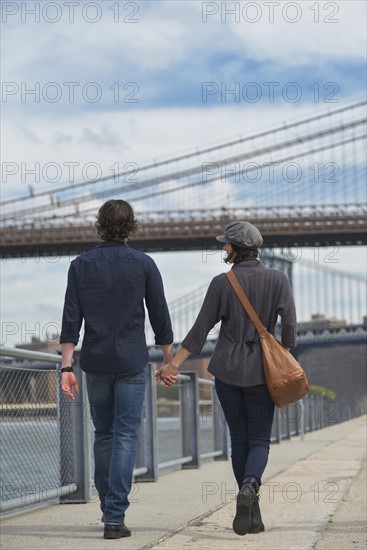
(116, 531)
(257, 525)
(245, 499)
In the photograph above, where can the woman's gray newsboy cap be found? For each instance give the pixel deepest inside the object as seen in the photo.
(243, 234)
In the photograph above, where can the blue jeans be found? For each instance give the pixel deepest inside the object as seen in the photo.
(249, 413)
(116, 404)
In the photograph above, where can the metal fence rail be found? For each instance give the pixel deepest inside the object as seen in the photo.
(46, 451)
(47, 439)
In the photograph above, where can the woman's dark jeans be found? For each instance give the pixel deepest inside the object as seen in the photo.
(249, 413)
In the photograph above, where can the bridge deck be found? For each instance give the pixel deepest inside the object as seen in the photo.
(196, 230)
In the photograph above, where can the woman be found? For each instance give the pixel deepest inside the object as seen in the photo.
(237, 364)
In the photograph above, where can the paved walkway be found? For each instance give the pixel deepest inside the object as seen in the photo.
(313, 498)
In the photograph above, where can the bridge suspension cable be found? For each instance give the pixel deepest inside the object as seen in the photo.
(331, 134)
(195, 153)
(325, 297)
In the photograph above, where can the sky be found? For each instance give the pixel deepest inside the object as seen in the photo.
(121, 82)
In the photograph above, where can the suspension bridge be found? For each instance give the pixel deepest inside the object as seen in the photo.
(302, 183)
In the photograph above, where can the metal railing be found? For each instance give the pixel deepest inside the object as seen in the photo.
(32, 460)
(46, 451)
(47, 439)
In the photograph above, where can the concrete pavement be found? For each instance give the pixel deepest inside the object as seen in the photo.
(313, 497)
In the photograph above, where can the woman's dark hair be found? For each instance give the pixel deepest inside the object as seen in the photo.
(115, 220)
(240, 253)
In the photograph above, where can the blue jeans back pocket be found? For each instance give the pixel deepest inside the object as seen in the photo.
(139, 378)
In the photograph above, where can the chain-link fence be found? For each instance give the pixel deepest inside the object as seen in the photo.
(36, 452)
(30, 435)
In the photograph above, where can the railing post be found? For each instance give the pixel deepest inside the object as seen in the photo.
(296, 417)
(303, 410)
(220, 429)
(317, 412)
(320, 403)
(301, 423)
(64, 411)
(190, 420)
(324, 408)
(311, 411)
(147, 451)
(287, 421)
(278, 422)
(74, 417)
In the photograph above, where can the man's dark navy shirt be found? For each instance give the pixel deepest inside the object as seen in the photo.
(107, 287)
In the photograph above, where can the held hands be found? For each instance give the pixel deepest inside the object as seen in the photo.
(168, 374)
(68, 382)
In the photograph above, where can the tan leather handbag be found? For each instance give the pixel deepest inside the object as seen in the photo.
(284, 376)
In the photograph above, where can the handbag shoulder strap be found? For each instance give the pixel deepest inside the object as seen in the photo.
(246, 303)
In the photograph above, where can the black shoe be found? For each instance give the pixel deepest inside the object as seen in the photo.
(245, 498)
(118, 531)
(257, 525)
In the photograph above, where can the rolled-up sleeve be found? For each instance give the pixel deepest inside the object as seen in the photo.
(72, 317)
(287, 311)
(155, 300)
(208, 317)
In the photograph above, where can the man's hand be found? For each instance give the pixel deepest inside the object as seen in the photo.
(68, 382)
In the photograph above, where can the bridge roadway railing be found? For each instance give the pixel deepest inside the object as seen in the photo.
(161, 222)
(192, 229)
(47, 440)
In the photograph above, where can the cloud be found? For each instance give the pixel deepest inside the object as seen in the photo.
(27, 134)
(32, 302)
(62, 138)
(102, 137)
(171, 39)
(306, 42)
(170, 52)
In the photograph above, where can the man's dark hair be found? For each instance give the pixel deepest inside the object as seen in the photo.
(240, 253)
(115, 220)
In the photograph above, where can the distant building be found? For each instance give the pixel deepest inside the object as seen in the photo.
(320, 322)
(36, 344)
(19, 385)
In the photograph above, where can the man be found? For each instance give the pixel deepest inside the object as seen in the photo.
(106, 288)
